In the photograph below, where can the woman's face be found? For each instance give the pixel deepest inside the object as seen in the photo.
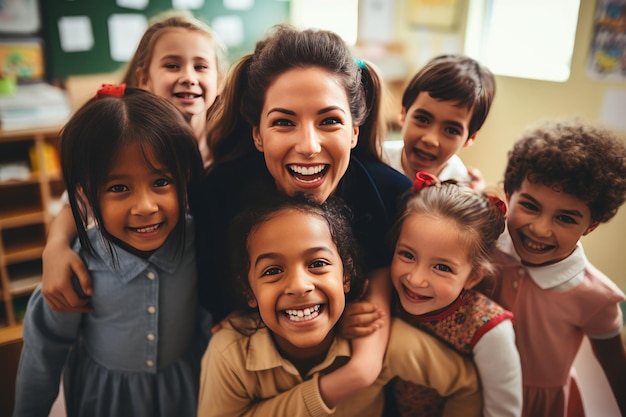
(306, 132)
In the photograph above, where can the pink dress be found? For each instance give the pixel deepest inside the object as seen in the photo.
(555, 306)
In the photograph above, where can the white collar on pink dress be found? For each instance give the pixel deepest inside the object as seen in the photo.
(560, 276)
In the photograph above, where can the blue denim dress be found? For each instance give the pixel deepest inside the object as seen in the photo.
(137, 354)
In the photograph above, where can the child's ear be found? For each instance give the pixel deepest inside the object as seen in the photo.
(470, 141)
(141, 79)
(346, 276)
(475, 278)
(402, 116)
(591, 228)
(251, 300)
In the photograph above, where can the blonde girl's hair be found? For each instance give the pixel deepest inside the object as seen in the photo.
(160, 24)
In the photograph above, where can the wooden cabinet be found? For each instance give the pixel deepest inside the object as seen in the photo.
(30, 191)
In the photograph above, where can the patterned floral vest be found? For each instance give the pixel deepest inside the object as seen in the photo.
(460, 326)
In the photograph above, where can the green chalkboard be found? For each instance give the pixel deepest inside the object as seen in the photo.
(60, 63)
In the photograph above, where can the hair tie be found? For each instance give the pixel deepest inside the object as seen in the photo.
(111, 90)
(360, 63)
(500, 205)
(423, 179)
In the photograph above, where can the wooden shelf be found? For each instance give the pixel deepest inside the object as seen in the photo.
(17, 218)
(25, 217)
(10, 334)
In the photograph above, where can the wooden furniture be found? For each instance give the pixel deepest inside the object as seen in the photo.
(28, 202)
(10, 350)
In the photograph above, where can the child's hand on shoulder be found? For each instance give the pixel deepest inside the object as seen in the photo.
(477, 181)
(360, 318)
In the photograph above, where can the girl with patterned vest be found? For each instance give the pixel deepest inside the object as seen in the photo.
(443, 244)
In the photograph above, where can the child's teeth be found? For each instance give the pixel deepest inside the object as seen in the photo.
(148, 229)
(303, 315)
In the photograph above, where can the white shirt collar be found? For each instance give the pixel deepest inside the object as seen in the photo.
(562, 275)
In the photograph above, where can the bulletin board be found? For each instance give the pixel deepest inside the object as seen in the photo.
(79, 55)
(607, 57)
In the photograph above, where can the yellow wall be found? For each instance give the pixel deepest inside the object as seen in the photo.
(521, 102)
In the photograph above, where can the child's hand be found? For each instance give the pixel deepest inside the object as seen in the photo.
(225, 320)
(360, 318)
(62, 270)
(477, 181)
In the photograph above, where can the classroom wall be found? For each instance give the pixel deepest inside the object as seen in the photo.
(521, 102)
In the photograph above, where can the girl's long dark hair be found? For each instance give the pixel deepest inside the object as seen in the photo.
(92, 139)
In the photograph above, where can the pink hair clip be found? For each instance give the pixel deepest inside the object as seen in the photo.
(500, 205)
(111, 90)
(423, 179)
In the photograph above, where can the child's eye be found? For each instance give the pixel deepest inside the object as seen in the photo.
(567, 219)
(453, 131)
(318, 263)
(162, 182)
(528, 206)
(406, 255)
(271, 271)
(201, 67)
(117, 188)
(421, 119)
(442, 267)
(171, 66)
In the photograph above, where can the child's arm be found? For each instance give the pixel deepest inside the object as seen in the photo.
(498, 364)
(368, 351)
(59, 263)
(417, 357)
(612, 357)
(48, 337)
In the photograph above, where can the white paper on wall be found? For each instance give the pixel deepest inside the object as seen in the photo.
(75, 33)
(238, 4)
(133, 4)
(125, 31)
(229, 29)
(187, 4)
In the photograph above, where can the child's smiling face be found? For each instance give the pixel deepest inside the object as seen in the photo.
(183, 69)
(297, 281)
(431, 265)
(138, 202)
(545, 224)
(433, 130)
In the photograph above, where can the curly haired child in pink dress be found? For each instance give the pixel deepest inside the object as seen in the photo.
(562, 180)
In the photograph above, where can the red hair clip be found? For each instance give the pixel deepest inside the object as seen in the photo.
(423, 179)
(500, 205)
(111, 90)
